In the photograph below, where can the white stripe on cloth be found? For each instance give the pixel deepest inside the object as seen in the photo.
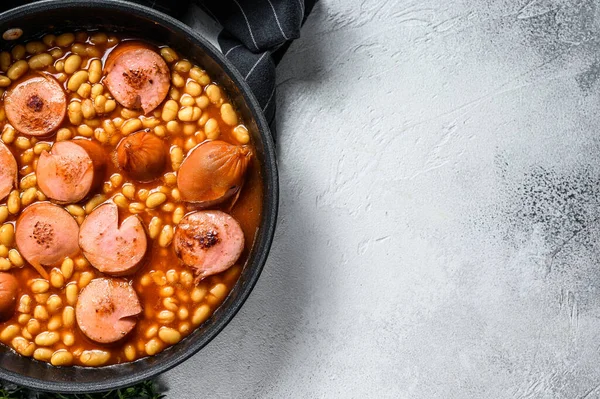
(255, 64)
(269, 100)
(301, 9)
(277, 20)
(233, 48)
(247, 23)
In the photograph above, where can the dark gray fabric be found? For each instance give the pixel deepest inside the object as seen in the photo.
(256, 34)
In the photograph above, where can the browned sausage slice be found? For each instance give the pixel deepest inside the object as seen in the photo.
(212, 172)
(209, 242)
(142, 155)
(46, 234)
(8, 295)
(106, 310)
(67, 173)
(8, 171)
(36, 106)
(110, 248)
(137, 76)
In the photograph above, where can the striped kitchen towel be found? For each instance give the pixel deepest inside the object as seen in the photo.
(256, 34)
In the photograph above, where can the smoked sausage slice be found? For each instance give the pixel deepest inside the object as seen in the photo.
(69, 171)
(142, 155)
(212, 172)
(8, 295)
(106, 310)
(36, 106)
(110, 248)
(46, 234)
(8, 171)
(137, 76)
(209, 242)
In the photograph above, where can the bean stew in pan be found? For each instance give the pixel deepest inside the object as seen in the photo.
(130, 197)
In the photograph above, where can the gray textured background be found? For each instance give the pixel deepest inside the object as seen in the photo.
(440, 210)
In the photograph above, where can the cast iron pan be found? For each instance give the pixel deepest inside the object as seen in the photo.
(133, 20)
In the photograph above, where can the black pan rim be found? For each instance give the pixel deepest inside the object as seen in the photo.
(269, 211)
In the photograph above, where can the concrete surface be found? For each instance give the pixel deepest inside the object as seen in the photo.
(440, 210)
